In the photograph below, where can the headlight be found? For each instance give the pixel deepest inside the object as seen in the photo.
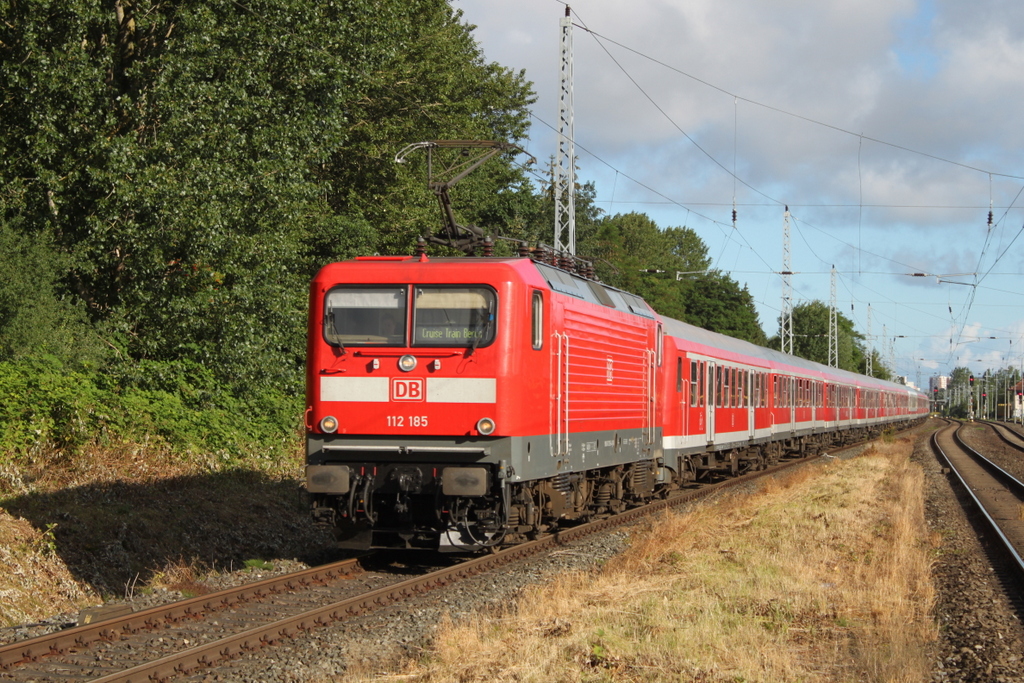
(485, 426)
(329, 425)
(407, 363)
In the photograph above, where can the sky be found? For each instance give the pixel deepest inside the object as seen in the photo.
(888, 127)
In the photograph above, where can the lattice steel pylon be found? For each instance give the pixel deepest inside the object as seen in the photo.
(565, 163)
(869, 365)
(833, 327)
(786, 328)
(891, 356)
(885, 349)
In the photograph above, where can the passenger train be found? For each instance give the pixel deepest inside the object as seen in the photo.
(460, 403)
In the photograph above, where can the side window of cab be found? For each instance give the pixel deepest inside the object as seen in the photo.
(537, 320)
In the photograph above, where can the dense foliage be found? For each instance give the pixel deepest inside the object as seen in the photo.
(173, 173)
(810, 340)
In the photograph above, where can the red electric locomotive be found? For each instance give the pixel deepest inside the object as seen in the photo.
(461, 403)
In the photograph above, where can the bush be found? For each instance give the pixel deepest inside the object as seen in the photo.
(47, 406)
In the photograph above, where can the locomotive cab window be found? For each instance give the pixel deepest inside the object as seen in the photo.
(454, 316)
(365, 316)
(659, 343)
(537, 320)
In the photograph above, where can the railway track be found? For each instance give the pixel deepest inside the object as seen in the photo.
(998, 495)
(1010, 435)
(184, 637)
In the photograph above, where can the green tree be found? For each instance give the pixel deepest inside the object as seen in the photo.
(191, 165)
(959, 392)
(434, 85)
(810, 338)
(36, 317)
(717, 302)
(588, 217)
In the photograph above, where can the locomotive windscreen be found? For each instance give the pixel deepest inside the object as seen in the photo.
(365, 315)
(453, 316)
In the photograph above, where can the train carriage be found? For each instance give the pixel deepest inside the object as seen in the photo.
(460, 403)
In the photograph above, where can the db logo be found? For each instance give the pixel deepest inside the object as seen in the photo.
(406, 389)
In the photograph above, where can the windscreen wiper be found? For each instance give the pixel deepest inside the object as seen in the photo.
(483, 333)
(330, 334)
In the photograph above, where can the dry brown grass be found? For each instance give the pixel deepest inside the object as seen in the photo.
(113, 519)
(134, 462)
(34, 581)
(822, 575)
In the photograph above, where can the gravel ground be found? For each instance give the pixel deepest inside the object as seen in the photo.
(382, 640)
(981, 636)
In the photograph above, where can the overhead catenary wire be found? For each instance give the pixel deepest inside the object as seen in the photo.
(860, 204)
(800, 117)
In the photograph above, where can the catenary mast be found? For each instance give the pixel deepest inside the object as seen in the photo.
(565, 162)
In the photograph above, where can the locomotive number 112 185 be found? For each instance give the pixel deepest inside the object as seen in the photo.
(407, 421)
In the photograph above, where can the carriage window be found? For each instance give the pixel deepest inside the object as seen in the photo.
(702, 384)
(694, 383)
(453, 316)
(538, 320)
(365, 316)
(679, 375)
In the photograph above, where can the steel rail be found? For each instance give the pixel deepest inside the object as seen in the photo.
(1002, 430)
(1015, 560)
(109, 629)
(1004, 477)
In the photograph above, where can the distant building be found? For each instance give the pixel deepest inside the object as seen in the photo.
(938, 382)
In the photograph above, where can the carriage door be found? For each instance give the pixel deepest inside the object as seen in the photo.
(791, 383)
(711, 391)
(654, 361)
(750, 379)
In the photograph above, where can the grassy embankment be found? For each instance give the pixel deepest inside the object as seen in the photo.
(820, 575)
(106, 490)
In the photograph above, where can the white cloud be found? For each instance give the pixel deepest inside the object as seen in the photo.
(942, 77)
